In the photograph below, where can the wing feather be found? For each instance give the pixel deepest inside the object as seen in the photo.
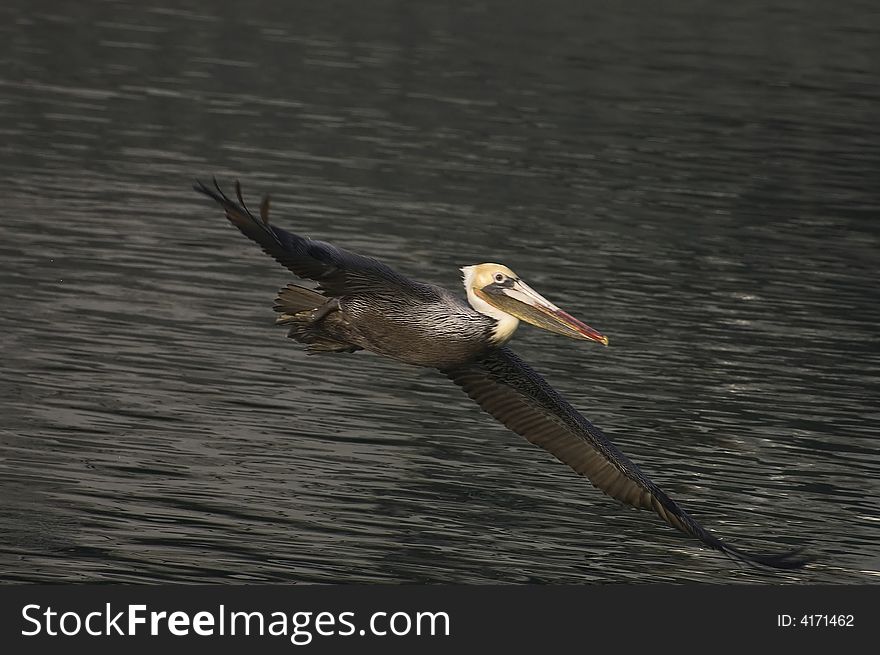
(508, 389)
(338, 272)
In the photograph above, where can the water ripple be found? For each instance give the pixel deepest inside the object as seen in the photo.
(698, 189)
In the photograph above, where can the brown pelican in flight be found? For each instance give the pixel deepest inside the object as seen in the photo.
(362, 304)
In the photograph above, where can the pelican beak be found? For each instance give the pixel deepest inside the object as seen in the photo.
(518, 299)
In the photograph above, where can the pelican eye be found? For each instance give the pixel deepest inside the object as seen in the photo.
(499, 277)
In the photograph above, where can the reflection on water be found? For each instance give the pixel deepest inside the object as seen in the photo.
(697, 181)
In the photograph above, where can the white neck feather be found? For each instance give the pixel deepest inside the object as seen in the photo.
(505, 325)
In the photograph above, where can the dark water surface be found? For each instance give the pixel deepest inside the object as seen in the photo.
(700, 182)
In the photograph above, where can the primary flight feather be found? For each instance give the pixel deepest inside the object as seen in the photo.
(360, 303)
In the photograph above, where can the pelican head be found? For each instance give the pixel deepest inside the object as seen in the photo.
(497, 292)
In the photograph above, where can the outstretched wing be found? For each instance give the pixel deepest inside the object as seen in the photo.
(337, 271)
(504, 386)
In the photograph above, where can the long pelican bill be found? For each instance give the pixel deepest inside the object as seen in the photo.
(518, 299)
(363, 304)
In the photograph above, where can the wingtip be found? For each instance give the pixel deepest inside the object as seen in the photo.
(216, 193)
(241, 198)
(791, 560)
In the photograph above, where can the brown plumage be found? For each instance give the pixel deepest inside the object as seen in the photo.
(361, 303)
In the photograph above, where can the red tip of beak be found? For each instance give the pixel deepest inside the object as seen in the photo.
(581, 328)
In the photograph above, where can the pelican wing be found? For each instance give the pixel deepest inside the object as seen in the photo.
(338, 272)
(508, 389)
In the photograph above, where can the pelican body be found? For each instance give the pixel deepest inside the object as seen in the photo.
(362, 304)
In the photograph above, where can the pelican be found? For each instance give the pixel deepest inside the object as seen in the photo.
(362, 304)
